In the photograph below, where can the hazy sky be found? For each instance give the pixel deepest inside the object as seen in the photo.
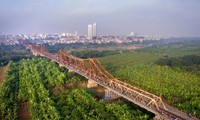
(113, 17)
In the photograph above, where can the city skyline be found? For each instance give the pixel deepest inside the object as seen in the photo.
(114, 17)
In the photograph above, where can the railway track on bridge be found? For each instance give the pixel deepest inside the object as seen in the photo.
(93, 70)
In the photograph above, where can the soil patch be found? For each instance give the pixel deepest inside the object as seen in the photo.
(100, 91)
(2, 73)
(24, 113)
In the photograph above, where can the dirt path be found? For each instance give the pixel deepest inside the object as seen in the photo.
(2, 73)
(23, 112)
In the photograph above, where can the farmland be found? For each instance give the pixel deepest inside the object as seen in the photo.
(39, 89)
(171, 71)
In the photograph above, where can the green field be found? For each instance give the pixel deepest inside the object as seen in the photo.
(150, 54)
(177, 80)
(43, 87)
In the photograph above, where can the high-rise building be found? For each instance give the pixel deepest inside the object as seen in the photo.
(90, 32)
(76, 33)
(132, 34)
(94, 30)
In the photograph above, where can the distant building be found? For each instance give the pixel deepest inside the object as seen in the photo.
(132, 34)
(92, 31)
(76, 33)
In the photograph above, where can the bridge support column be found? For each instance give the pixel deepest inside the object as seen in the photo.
(158, 118)
(70, 71)
(110, 95)
(61, 65)
(35, 53)
(92, 84)
(54, 61)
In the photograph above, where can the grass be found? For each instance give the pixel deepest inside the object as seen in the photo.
(148, 55)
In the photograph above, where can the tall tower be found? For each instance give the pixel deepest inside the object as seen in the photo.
(90, 32)
(94, 29)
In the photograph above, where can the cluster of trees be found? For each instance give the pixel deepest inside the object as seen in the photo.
(34, 81)
(12, 52)
(79, 105)
(190, 63)
(35, 75)
(79, 46)
(93, 53)
(56, 47)
(8, 94)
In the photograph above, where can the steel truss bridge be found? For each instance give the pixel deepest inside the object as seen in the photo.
(92, 69)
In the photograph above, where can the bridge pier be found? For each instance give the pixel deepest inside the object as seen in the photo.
(61, 65)
(35, 53)
(54, 61)
(157, 117)
(110, 95)
(69, 70)
(91, 84)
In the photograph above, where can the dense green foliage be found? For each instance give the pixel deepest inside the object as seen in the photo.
(177, 87)
(56, 47)
(42, 84)
(151, 54)
(8, 94)
(89, 46)
(79, 105)
(34, 75)
(176, 77)
(92, 53)
(190, 63)
(12, 52)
